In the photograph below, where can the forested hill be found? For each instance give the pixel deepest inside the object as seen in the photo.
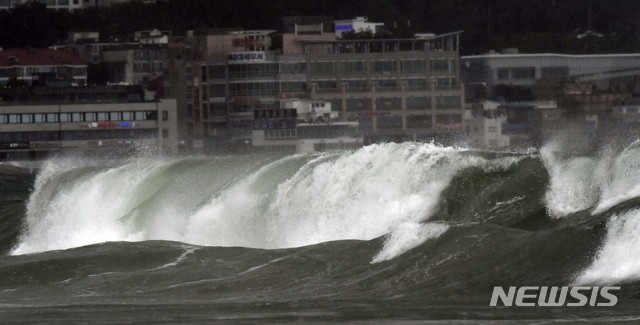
(530, 25)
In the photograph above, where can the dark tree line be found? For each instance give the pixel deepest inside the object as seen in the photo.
(531, 25)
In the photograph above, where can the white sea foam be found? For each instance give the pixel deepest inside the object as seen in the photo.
(388, 189)
(619, 258)
(598, 183)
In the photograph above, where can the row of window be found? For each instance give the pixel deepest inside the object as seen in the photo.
(279, 134)
(77, 117)
(395, 103)
(16, 137)
(384, 67)
(351, 67)
(516, 73)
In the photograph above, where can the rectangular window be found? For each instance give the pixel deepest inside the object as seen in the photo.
(102, 116)
(523, 73)
(115, 116)
(165, 115)
(440, 65)
(4, 119)
(389, 122)
(127, 116)
(141, 116)
(418, 103)
(358, 104)
(418, 121)
(412, 66)
(503, 73)
(388, 104)
(65, 117)
(353, 67)
(88, 117)
(27, 118)
(52, 118)
(384, 67)
(40, 118)
(448, 102)
(554, 72)
(77, 117)
(322, 68)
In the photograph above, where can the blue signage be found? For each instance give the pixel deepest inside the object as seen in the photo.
(344, 27)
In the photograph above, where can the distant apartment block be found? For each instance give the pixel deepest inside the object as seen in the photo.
(391, 89)
(42, 66)
(600, 71)
(110, 119)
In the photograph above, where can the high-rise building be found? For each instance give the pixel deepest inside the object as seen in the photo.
(394, 89)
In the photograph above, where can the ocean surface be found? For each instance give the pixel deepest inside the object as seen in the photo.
(390, 233)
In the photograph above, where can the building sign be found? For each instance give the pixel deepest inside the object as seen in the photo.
(111, 125)
(255, 56)
(344, 27)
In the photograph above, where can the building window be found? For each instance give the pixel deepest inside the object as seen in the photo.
(389, 122)
(418, 103)
(448, 102)
(412, 66)
(293, 68)
(554, 72)
(115, 116)
(27, 118)
(40, 118)
(441, 65)
(322, 68)
(449, 120)
(358, 104)
(165, 115)
(418, 121)
(523, 73)
(503, 73)
(388, 104)
(52, 118)
(385, 67)
(353, 67)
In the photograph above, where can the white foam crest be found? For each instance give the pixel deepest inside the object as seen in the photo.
(619, 258)
(572, 187)
(84, 211)
(623, 178)
(406, 236)
(378, 190)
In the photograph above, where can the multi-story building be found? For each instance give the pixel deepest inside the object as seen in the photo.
(600, 71)
(105, 119)
(394, 89)
(397, 89)
(41, 66)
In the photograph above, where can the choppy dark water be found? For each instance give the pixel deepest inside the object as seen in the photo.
(394, 233)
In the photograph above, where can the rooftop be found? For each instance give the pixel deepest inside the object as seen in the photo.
(38, 57)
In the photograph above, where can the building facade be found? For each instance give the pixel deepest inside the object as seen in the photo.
(37, 128)
(41, 66)
(526, 70)
(391, 89)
